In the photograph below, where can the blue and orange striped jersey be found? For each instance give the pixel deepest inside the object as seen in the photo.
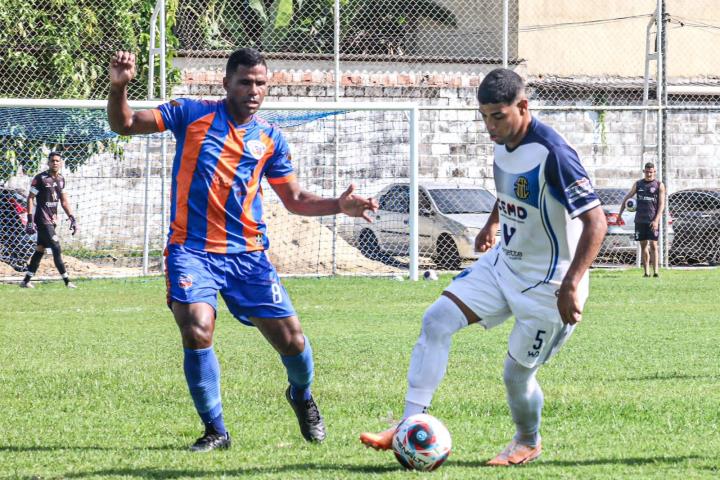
(216, 197)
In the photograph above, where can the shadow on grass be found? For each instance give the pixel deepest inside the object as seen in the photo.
(590, 462)
(298, 469)
(307, 468)
(90, 448)
(661, 377)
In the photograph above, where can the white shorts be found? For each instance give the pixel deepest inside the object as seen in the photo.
(491, 290)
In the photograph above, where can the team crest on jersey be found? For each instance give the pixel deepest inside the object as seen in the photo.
(522, 188)
(257, 148)
(185, 281)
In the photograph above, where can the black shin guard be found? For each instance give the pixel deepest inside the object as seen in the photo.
(33, 265)
(59, 264)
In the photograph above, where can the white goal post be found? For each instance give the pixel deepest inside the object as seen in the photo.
(370, 144)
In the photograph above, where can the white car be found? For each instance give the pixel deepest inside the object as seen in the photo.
(620, 238)
(450, 217)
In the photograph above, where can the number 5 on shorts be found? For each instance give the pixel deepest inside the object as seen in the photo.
(276, 293)
(539, 339)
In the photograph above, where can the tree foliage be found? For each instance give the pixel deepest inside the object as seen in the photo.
(61, 49)
(371, 27)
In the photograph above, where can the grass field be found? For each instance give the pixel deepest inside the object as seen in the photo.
(92, 384)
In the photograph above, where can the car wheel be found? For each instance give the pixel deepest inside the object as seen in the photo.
(447, 255)
(368, 244)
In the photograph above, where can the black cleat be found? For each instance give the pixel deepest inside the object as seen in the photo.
(211, 441)
(311, 422)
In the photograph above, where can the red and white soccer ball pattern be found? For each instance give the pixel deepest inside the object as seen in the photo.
(421, 442)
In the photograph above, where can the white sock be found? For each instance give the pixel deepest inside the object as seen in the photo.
(525, 398)
(429, 358)
(413, 409)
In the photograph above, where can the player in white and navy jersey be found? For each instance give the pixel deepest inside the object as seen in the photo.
(550, 232)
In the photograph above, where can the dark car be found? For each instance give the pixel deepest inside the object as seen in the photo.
(16, 247)
(696, 223)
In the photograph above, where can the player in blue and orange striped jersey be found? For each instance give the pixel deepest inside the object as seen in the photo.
(217, 237)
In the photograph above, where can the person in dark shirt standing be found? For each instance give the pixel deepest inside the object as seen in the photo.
(650, 205)
(47, 187)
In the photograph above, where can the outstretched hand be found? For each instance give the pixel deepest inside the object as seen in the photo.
(122, 68)
(356, 206)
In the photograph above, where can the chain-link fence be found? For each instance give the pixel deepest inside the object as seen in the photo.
(374, 30)
(622, 90)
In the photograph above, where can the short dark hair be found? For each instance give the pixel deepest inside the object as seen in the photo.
(649, 165)
(500, 86)
(247, 57)
(54, 154)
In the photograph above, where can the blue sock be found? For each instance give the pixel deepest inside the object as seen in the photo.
(202, 372)
(300, 370)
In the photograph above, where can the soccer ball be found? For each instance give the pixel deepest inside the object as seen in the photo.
(631, 205)
(430, 275)
(421, 442)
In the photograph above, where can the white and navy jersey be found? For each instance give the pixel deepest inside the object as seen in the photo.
(541, 188)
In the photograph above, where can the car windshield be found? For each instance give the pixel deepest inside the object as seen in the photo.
(610, 196)
(697, 201)
(463, 200)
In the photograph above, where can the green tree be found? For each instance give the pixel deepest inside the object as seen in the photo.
(371, 27)
(60, 49)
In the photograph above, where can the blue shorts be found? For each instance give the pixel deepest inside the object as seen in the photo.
(248, 282)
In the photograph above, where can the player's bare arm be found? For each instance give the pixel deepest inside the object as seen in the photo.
(122, 118)
(30, 205)
(630, 194)
(65, 203)
(661, 207)
(485, 239)
(593, 233)
(301, 202)
(30, 225)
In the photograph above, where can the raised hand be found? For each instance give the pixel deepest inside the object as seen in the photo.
(122, 68)
(356, 206)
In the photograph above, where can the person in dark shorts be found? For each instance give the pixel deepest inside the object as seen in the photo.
(47, 187)
(650, 205)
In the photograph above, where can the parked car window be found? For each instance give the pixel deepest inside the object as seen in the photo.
(397, 199)
(424, 201)
(610, 196)
(681, 202)
(706, 202)
(463, 200)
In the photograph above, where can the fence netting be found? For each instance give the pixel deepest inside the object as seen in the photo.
(591, 70)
